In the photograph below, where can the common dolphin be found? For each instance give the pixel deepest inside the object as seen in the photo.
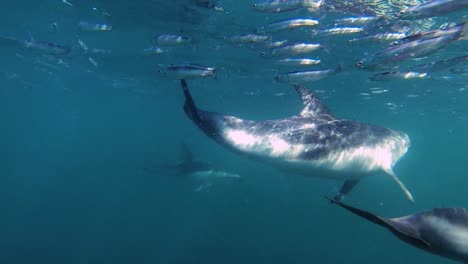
(313, 143)
(202, 172)
(440, 231)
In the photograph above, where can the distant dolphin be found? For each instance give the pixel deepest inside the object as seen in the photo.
(313, 143)
(441, 231)
(203, 172)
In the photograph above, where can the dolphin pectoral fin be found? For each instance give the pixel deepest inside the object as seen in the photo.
(347, 186)
(364, 214)
(406, 230)
(401, 185)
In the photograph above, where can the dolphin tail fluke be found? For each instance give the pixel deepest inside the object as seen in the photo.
(401, 185)
(364, 214)
(189, 106)
(347, 186)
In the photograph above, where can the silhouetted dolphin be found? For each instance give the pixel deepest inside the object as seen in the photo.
(312, 143)
(441, 231)
(203, 172)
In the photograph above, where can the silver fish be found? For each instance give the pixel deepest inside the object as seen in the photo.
(338, 31)
(300, 77)
(293, 49)
(457, 30)
(89, 26)
(441, 64)
(47, 47)
(462, 69)
(432, 8)
(358, 21)
(249, 39)
(153, 50)
(279, 6)
(413, 49)
(297, 62)
(187, 71)
(385, 76)
(287, 24)
(378, 37)
(172, 40)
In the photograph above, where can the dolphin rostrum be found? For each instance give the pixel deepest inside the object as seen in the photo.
(313, 143)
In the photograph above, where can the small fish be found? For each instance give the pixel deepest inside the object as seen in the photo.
(274, 44)
(187, 71)
(441, 64)
(359, 21)
(278, 6)
(153, 50)
(293, 49)
(385, 76)
(287, 24)
(338, 31)
(300, 77)
(298, 62)
(172, 40)
(413, 49)
(47, 47)
(249, 39)
(432, 8)
(456, 31)
(460, 70)
(89, 26)
(378, 37)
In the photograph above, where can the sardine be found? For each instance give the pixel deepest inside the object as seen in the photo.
(378, 37)
(460, 70)
(287, 24)
(172, 40)
(413, 49)
(440, 65)
(187, 71)
(338, 31)
(405, 75)
(249, 39)
(432, 8)
(293, 49)
(300, 77)
(47, 47)
(278, 6)
(298, 62)
(89, 26)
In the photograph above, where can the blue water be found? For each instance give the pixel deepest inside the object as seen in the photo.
(76, 139)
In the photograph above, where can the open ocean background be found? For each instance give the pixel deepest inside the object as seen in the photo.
(76, 139)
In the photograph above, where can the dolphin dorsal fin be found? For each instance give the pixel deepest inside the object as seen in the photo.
(312, 107)
(187, 155)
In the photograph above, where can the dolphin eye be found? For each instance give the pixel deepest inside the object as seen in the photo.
(402, 12)
(394, 43)
(359, 63)
(263, 54)
(277, 78)
(254, 5)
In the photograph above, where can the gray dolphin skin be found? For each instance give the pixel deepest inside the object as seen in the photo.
(312, 143)
(440, 231)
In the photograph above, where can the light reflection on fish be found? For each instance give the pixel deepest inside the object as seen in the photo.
(394, 75)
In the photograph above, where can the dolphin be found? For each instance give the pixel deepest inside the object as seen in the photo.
(440, 231)
(313, 143)
(201, 171)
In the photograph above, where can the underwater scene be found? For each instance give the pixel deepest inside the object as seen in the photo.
(224, 131)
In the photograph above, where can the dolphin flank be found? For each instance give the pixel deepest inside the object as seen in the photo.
(313, 143)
